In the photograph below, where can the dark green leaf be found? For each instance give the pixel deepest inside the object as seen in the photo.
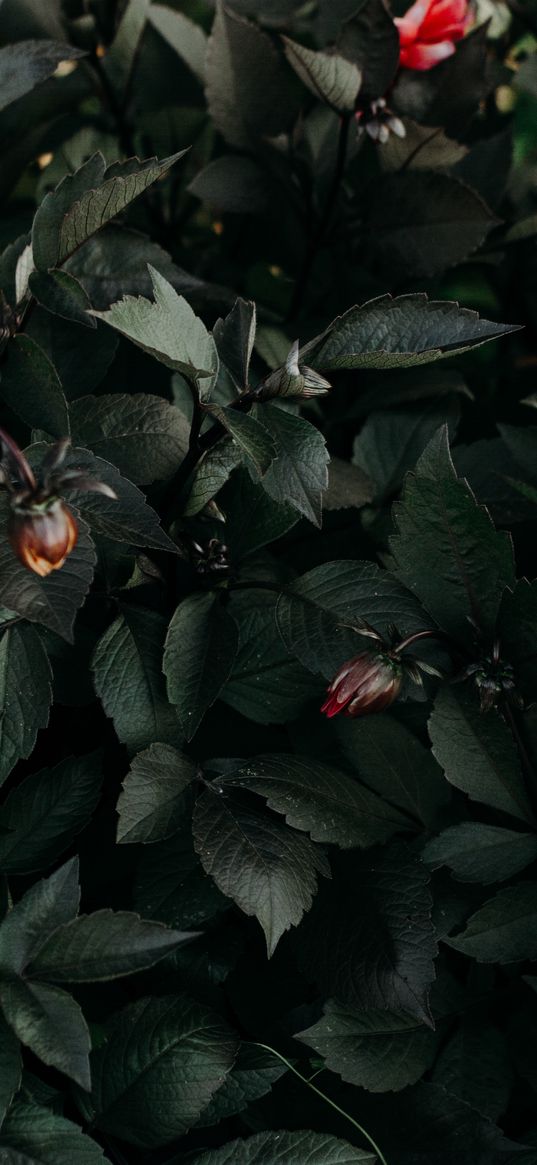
(252, 518)
(299, 474)
(255, 442)
(265, 684)
(125, 518)
(183, 35)
(167, 329)
(121, 56)
(232, 184)
(47, 905)
(127, 670)
(481, 853)
(419, 224)
(234, 338)
(10, 1068)
(400, 333)
(86, 200)
(103, 945)
(392, 762)
(51, 1024)
(318, 616)
(267, 869)
(504, 929)
(370, 38)
(31, 387)
(162, 1062)
(477, 752)
(252, 1076)
(25, 685)
(43, 814)
(172, 886)
(474, 1066)
(446, 547)
(80, 361)
(201, 646)
(333, 79)
(378, 1050)
(427, 1124)
(60, 293)
(347, 486)
(28, 63)
(247, 85)
(211, 473)
(33, 1135)
(275, 1148)
(391, 441)
(142, 434)
(378, 943)
(151, 806)
(328, 804)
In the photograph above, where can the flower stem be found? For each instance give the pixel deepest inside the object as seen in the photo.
(318, 238)
(327, 1100)
(419, 635)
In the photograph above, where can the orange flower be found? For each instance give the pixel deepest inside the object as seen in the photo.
(43, 535)
(429, 30)
(42, 530)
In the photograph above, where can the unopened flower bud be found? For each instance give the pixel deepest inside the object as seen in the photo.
(42, 534)
(369, 682)
(42, 529)
(294, 379)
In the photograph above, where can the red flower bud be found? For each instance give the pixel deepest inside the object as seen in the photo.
(429, 30)
(42, 534)
(369, 682)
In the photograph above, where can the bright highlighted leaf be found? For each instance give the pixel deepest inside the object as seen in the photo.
(85, 201)
(167, 329)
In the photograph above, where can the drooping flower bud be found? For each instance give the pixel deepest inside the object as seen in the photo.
(42, 529)
(378, 121)
(293, 379)
(372, 680)
(369, 682)
(42, 534)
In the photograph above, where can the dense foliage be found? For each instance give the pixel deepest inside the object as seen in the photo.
(236, 242)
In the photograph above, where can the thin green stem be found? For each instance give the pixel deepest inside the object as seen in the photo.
(363, 1132)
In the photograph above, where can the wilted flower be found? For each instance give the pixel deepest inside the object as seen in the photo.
(42, 529)
(293, 379)
(429, 30)
(494, 681)
(213, 558)
(379, 122)
(372, 680)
